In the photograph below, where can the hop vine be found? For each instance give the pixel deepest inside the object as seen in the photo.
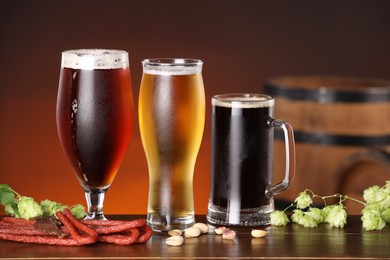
(375, 214)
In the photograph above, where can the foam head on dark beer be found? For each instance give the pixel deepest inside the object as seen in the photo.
(91, 59)
(243, 100)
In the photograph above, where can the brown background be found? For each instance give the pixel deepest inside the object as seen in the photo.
(242, 43)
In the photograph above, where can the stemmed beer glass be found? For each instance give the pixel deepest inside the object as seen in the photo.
(95, 118)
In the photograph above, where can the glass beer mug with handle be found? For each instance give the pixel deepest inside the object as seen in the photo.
(242, 159)
(171, 118)
(95, 118)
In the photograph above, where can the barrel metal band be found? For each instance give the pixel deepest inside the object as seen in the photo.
(330, 139)
(326, 95)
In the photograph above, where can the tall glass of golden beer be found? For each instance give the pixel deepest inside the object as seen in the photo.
(171, 118)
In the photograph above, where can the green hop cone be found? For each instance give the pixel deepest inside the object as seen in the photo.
(78, 211)
(297, 214)
(28, 208)
(387, 186)
(316, 214)
(374, 194)
(372, 219)
(335, 215)
(51, 207)
(372, 207)
(386, 215)
(303, 200)
(325, 212)
(385, 203)
(279, 218)
(375, 215)
(303, 219)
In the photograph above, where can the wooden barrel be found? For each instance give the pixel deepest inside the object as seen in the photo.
(334, 118)
(361, 170)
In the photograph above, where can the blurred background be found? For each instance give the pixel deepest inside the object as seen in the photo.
(242, 44)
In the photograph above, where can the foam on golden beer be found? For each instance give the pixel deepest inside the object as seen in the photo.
(90, 59)
(242, 101)
(167, 66)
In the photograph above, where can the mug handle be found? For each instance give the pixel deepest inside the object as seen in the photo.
(290, 157)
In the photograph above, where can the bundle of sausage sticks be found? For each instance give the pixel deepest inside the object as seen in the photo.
(73, 232)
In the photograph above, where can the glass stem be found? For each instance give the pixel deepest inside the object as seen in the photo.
(95, 199)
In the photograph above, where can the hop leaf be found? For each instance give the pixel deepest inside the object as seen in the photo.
(336, 216)
(28, 208)
(279, 218)
(12, 209)
(303, 200)
(6, 195)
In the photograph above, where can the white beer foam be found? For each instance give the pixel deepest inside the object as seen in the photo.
(243, 101)
(172, 66)
(90, 59)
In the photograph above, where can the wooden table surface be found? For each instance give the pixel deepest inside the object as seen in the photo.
(290, 242)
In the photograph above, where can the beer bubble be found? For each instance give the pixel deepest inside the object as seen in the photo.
(74, 106)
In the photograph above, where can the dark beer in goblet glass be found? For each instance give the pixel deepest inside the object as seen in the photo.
(95, 118)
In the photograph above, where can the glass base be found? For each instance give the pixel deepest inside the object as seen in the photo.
(242, 217)
(95, 216)
(95, 200)
(166, 223)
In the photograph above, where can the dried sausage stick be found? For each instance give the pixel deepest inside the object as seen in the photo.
(5, 224)
(89, 231)
(121, 239)
(28, 229)
(120, 232)
(27, 232)
(19, 221)
(147, 233)
(91, 237)
(120, 228)
(103, 223)
(47, 240)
